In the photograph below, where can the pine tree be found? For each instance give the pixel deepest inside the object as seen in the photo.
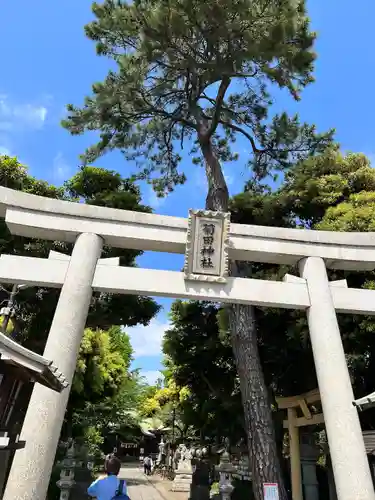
(201, 75)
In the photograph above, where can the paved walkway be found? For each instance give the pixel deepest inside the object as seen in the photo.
(141, 487)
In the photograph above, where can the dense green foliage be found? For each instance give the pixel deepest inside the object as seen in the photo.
(165, 407)
(103, 363)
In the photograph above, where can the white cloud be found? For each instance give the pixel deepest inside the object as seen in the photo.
(146, 340)
(228, 179)
(151, 376)
(34, 116)
(20, 116)
(61, 168)
(152, 200)
(201, 179)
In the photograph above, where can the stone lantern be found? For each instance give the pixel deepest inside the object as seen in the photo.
(68, 464)
(226, 469)
(200, 486)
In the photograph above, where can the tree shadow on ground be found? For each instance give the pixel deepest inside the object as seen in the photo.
(136, 482)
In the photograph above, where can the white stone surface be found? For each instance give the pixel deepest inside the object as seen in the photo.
(290, 278)
(184, 473)
(131, 280)
(110, 261)
(182, 482)
(292, 293)
(35, 216)
(339, 284)
(31, 468)
(4, 441)
(347, 449)
(364, 403)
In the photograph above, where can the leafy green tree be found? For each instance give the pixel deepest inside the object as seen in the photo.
(354, 214)
(102, 391)
(9, 327)
(106, 188)
(331, 191)
(165, 407)
(322, 182)
(357, 213)
(202, 75)
(102, 366)
(14, 175)
(102, 398)
(35, 307)
(199, 358)
(335, 192)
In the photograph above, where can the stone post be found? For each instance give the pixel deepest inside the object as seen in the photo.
(294, 451)
(162, 453)
(331, 479)
(184, 472)
(32, 466)
(348, 454)
(309, 456)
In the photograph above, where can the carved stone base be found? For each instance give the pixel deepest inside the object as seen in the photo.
(182, 481)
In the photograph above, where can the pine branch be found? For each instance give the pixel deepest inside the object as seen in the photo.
(245, 134)
(225, 82)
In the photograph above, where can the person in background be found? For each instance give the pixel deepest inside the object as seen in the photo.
(147, 464)
(109, 487)
(107, 458)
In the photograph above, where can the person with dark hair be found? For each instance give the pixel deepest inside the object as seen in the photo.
(109, 487)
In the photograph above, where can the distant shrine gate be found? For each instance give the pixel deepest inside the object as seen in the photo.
(208, 241)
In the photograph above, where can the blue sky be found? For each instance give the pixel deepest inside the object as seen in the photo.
(47, 62)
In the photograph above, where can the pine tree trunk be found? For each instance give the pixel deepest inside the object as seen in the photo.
(257, 407)
(256, 404)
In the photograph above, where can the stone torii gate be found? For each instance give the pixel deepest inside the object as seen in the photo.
(313, 417)
(209, 241)
(293, 423)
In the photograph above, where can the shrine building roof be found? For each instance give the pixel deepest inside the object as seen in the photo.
(32, 366)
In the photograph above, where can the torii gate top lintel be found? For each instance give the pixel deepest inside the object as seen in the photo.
(38, 217)
(302, 402)
(285, 402)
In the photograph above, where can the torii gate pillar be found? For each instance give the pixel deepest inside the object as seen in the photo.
(32, 466)
(347, 448)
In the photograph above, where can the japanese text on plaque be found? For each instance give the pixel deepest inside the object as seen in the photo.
(207, 250)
